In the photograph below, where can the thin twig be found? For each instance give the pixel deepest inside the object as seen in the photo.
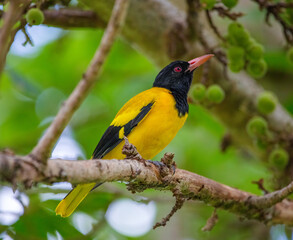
(13, 14)
(276, 9)
(260, 184)
(282, 5)
(272, 198)
(211, 222)
(46, 143)
(28, 38)
(225, 12)
(213, 26)
(178, 204)
(195, 21)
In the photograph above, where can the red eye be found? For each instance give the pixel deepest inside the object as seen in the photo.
(177, 69)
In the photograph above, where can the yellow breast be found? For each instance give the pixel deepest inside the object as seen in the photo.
(156, 130)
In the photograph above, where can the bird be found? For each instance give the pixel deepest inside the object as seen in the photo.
(150, 120)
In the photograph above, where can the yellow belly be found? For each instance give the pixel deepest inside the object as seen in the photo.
(156, 131)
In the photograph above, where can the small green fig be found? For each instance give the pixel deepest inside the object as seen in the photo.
(279, 158)
(266, 102)
(198, 91)
(257, 127)
(215, 93)
(34, 16)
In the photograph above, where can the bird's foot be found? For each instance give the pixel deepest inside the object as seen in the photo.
(158, 164)
(166, 165)
(167, 159)
(130, 151)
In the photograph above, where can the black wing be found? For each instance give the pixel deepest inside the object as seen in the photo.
(111, 139)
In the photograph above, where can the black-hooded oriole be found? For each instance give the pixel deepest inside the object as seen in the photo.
(150, 120)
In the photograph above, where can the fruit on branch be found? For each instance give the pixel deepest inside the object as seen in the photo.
(238, 35)
(215, 94)
(236, 66)
(230, 3)
(257, 127)
(257, 69)
(243, 49)
(235, 28)
(266, 102)
(261, 143)
(198, 91)
(34, 16)
(208, 4)
(235, 53)
(254, 51)
(236, 58)
(279, 158)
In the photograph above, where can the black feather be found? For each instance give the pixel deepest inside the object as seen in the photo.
(110, 138)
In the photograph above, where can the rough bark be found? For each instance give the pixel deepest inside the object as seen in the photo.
(142, 175)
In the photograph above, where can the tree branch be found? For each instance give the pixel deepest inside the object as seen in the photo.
(73, 18)
(7, 32)
(270, 199)
(213, 26)
(143, 175)
(211, 222)
(225, 12)
(43, 148)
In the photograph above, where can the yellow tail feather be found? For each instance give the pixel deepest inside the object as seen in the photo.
(66, 207)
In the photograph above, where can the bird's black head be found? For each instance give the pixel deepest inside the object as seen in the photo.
(177, 78)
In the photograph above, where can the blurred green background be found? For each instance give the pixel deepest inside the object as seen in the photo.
(31, 91)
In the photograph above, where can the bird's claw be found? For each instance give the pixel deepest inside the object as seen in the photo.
(173, 167)
(162, 166)
(157, 164)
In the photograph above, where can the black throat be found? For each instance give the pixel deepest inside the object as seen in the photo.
(181, 101)
(177, 78)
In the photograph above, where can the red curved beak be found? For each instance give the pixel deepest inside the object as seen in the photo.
(196, 62)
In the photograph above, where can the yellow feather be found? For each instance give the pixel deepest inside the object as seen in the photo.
(66, 207)
(132, 108)
(121, 133)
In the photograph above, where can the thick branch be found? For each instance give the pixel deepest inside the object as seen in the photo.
(7, 32)
(68, 18)
(46, 143)
(143, 175)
